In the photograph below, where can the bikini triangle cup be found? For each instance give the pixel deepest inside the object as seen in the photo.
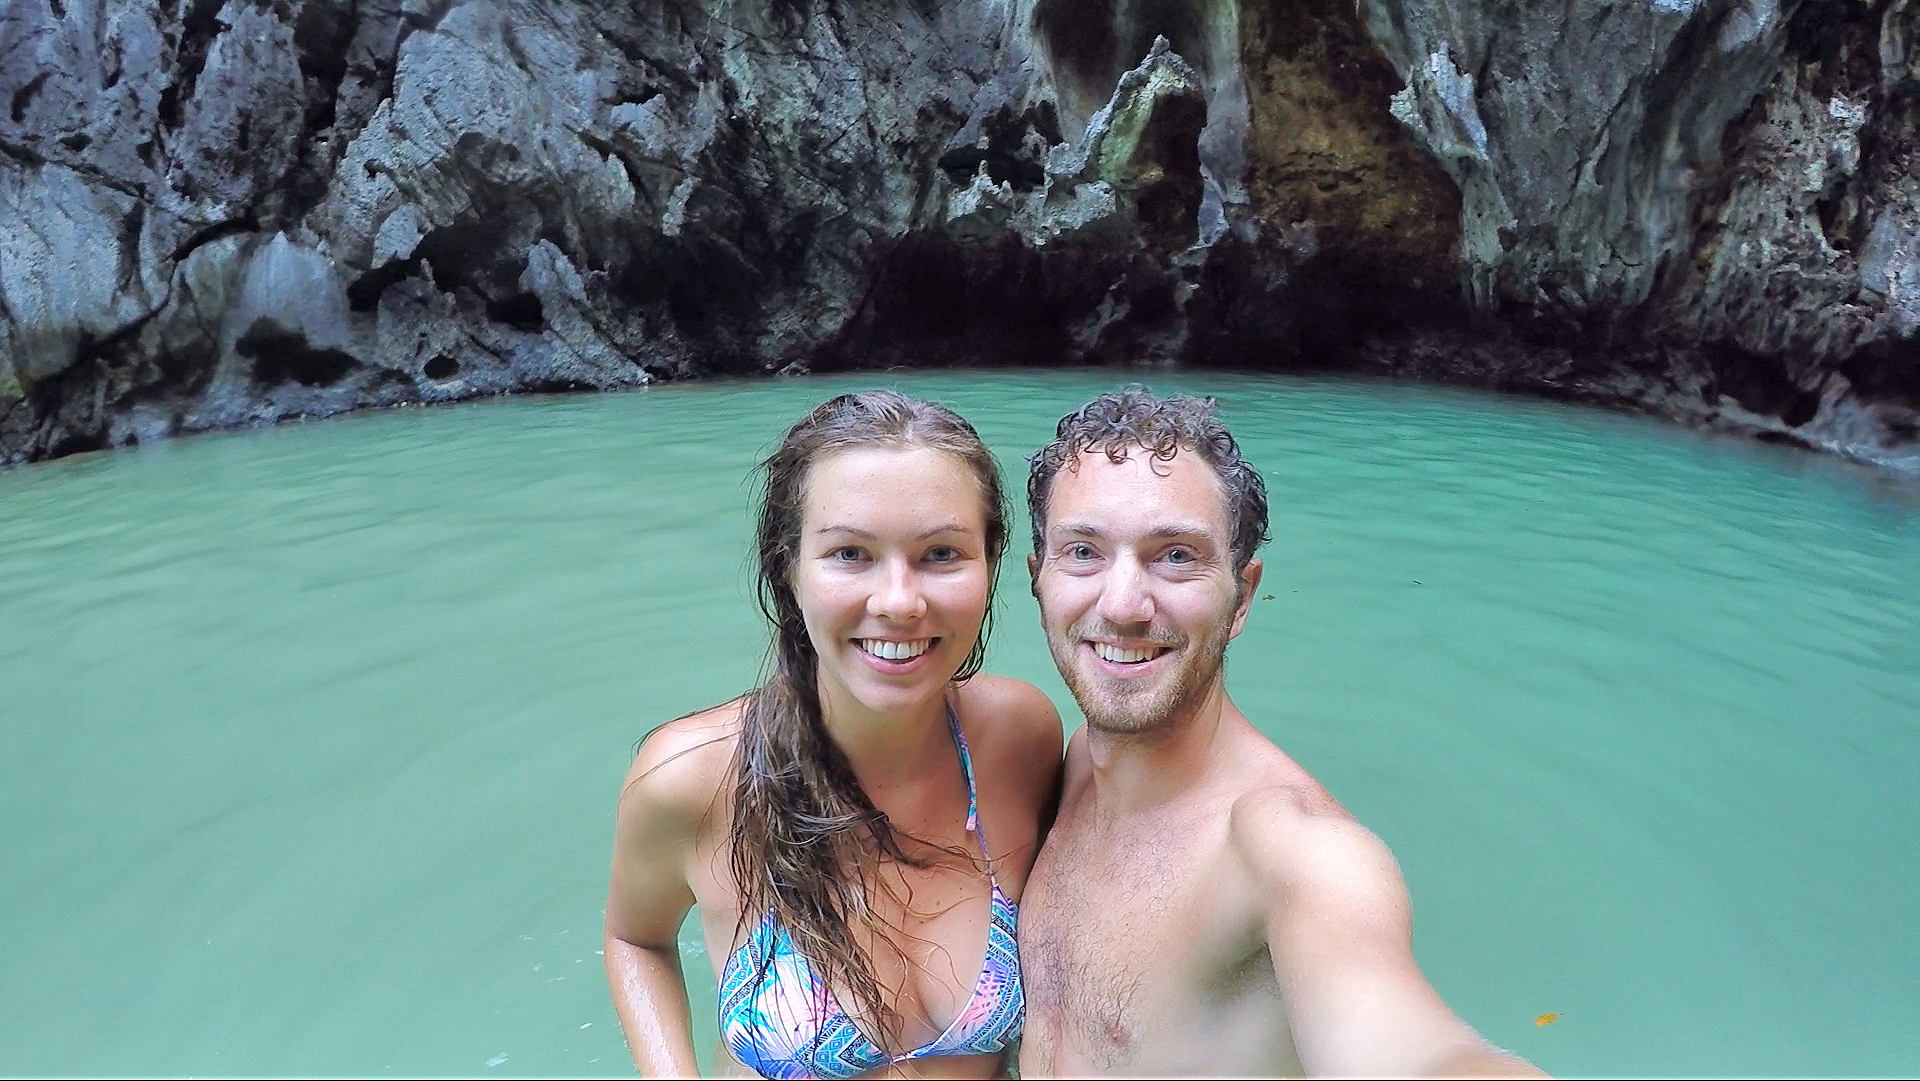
(781, 1021)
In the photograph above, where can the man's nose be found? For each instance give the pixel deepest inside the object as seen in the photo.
(897, 596)
(1125, 596)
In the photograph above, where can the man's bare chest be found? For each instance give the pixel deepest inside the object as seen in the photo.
(1090, 888)
(1121, 931)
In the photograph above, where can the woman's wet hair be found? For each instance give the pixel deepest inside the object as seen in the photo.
(1121, 422)
(806, 842)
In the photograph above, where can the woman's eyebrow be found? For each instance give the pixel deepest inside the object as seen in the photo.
(856, 531)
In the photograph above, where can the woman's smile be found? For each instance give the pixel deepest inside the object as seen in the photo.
(895, 653)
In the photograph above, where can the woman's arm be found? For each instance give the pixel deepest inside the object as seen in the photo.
(662, 806)
(651, 998)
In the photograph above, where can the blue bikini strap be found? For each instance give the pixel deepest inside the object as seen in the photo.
(966, 767)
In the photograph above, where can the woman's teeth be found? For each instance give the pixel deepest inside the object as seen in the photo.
(1124, 656)
(894, 651)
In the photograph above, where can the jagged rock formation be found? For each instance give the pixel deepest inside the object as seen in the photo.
(224, 212)
(1721, 196)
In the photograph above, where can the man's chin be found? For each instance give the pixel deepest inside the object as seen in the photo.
(1133, 710)
(1112, 725)
(1120, 707)
(1130, 715)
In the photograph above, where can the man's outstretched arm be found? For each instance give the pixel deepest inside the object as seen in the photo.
(1340, 929)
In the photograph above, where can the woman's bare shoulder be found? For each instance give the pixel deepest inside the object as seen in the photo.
(1015, 717)
(683, 765)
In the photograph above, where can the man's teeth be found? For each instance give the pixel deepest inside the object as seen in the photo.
(895, 651)
(1123, 656)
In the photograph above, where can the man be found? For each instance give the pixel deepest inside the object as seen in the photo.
(1202, 905)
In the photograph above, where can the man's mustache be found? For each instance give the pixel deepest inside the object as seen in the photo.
(1101, 630)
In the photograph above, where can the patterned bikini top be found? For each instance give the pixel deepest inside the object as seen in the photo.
(781, 1020)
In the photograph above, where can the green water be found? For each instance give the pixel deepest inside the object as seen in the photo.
(312, 736)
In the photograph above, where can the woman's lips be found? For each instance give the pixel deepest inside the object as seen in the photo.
(895, 656)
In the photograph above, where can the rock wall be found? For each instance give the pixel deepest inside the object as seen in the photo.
(226, 212)
(1711, 208)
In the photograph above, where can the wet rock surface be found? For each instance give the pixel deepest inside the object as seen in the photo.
(227, 212)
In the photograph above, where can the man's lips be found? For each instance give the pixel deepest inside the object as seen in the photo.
(1128, 661)
(1118, 654)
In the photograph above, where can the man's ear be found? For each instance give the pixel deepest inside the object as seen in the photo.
(1249, 587)
(1033, 574)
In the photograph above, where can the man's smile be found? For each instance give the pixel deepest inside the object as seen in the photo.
(1128, 654)
(1128, 660)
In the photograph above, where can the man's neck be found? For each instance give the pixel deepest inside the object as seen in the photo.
(1138, 772)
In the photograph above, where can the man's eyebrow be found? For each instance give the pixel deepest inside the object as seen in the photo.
(1167, 530)
(1181, 529)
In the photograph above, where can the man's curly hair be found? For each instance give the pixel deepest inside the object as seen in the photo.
(1121, 421)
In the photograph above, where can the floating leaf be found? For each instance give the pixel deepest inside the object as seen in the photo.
(1546, 1019)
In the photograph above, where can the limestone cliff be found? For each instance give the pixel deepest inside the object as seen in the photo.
(223, 213)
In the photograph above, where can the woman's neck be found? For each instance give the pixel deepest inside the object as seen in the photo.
(886, 748)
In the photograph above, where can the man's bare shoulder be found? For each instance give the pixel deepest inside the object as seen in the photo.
(682, 767)
(1296, 840)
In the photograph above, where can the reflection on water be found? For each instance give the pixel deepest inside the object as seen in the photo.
(312, 735)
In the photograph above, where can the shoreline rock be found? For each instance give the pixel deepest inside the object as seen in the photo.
(229, 212)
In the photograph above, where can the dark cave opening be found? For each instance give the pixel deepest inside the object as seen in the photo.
(281, 355)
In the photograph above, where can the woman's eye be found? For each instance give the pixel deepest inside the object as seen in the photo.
(848, 554)
(942, 554)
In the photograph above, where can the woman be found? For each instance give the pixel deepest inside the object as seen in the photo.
(858, 830)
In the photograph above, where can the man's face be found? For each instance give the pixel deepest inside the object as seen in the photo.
(1136, 586)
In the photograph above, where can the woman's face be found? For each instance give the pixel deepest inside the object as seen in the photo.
(892, 575)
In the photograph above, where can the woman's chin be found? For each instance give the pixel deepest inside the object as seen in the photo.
(896, 698)
(906, 691)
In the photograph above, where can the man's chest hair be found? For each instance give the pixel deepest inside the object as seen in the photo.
(1119, 957)
(1117, 910)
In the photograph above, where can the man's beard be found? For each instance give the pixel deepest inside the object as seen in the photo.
(1116, 708)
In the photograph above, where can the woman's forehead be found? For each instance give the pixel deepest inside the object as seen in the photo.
(891, 486)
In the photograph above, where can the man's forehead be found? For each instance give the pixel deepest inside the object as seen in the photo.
(1139, 483)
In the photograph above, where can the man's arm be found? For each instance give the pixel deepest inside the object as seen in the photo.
(1340, 929)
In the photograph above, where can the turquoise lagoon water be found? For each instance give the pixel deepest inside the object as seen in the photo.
(312, 735)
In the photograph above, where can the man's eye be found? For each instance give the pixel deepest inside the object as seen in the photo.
(1080, 551)
(1179, 557)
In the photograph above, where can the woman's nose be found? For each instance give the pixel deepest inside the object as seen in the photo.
(897, 595)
